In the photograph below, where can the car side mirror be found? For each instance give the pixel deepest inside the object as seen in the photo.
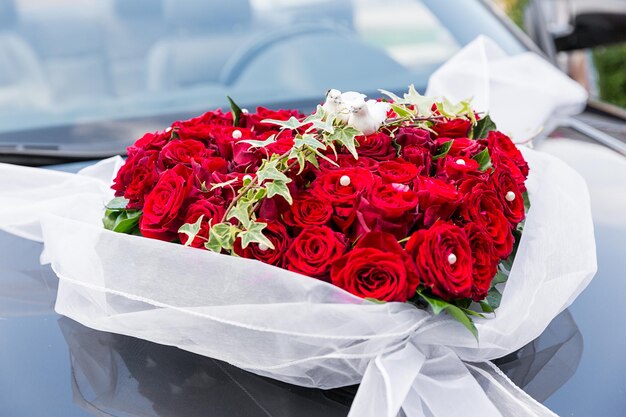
(565, 25)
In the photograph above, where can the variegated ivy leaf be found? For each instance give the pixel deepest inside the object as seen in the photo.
(424, 104)
(260, 143)
(402, 111)
(221, 236)
(346, 137)
(223, 184)
(308, 140)
(241, 212)
(462, 108)
(254, 234)
(191, 230)
(269, 171)
(292, 123)
(278, 188)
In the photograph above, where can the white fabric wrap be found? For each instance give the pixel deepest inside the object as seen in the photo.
(524, 94)
(300, 330)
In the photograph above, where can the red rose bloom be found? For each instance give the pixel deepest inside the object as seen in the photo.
(509, 194)
(308, 211)
(485, 261)
(456, 128)
(212, 208)
(419, 156)
(161, 216)
(437, 199)
(443, 259)
(457, 168)
(377, 268)
(277, 234)
(413, 136)
(462, 147)
(482, 207)
(314, 250)
(181, 152)
(376, 146)
(151, 141)
(397, 171)
(503, 151)
(136, 178)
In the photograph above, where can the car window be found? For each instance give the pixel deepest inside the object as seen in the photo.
(64, 62)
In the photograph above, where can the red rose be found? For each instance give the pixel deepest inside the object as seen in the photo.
(443, 259)
(504, 152)
(313, 251)
(398, 171)
(462, 147)
(212, 208)
(161, 216)
(456, 128)
(412, 136)
(255, 120)
(151, 141)
(181, 152)
(347, 161)
(509, 194)
(225, 138)
(277, 234)
(482, 207)
(344, 198)
(437, 199)
(136, 177)
(484, 261)
(390, 208)
(458, 167)
(377, 268)
(307, 210)
(419, 156)
(377, 146)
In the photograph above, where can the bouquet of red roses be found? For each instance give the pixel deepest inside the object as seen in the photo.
(403, 199)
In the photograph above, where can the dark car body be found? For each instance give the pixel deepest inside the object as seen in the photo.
(53, 366)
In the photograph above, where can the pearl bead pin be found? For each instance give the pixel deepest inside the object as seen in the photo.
(510, 196)
(236, 134)
(344, 180)
(452, 259)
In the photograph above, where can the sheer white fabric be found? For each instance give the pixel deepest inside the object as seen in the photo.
(299, 330)
(524, 94)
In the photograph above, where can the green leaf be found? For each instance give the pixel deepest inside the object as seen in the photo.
(494, 297)
(236, 110)
(486, 307)
(453, 111)
(221, 236)
(292, 123)
(438, 305)
(260, 143)
(118, 203)
(278, 188)
(319, 121)
(254, 234)
(483, 159)
(443, 150)
(121, 221)
(424, 104)
(401, 111)
(309, 140)
(526, 201)
(482, 128)
(499, 278)
(269, 171)
(191, 230)
(375, 300)
(241, 212)
(346, 137)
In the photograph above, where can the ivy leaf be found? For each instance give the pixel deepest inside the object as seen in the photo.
(292, 123)
(254, 234)
(401, 111)
(260, 143)
(191, 230)
(319, 121)
(422, 103)
(278, 188)
(438, 305)
(221, 236)
(483, 159)
(241, 212)
(121, 221)
(223, 184)
(443, 150)
(453, 111)
(118, 203)
(346, 137)
(308, 140)
(269, 171)
(236, 110)
(482, 128)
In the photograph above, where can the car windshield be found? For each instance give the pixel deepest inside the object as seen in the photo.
(71, 62)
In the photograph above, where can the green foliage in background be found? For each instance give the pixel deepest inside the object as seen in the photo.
(610, 63)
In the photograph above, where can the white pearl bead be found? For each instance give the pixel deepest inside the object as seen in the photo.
(452, 259)
(510, 196)
(245, 111)
(263, 247)
(460, 162)
(236, 134)
(168, 130)
(344, 180)
(247, 177)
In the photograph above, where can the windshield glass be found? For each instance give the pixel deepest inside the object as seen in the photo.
(66, 62)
